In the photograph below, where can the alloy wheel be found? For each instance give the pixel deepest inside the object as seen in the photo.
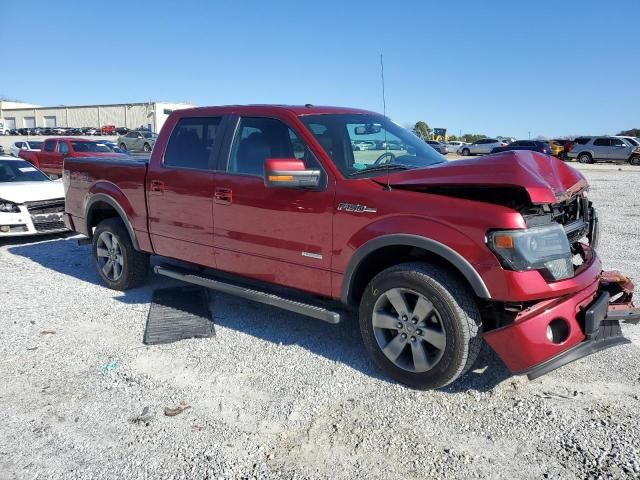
(409, 330)
(109, 256)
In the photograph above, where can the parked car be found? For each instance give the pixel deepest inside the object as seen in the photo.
(632, 140)
(439, 146)
(557, 147)
(480, 147)
(137, 141)
(532, 145)
(436, 260)
(454, 145)
(360, 146)
(30, 203)
(108, 130)
(605, 149)
(122, 130)
(30, 145)
(55, 151)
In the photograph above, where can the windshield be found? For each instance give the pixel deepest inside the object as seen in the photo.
(632, 141)
(150, 135)
(361, 143)
(20, 171)
(90, 147)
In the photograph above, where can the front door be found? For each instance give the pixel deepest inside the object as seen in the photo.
(180, 190)
(619, 150)
(277, 235)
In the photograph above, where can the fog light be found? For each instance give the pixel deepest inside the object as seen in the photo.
(557, 330)
(4, 228)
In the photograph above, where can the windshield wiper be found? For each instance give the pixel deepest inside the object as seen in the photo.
(380, 168)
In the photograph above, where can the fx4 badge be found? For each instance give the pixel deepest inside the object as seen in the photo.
(354, 207)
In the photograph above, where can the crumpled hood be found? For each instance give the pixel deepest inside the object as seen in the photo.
(546, 179)
(20, 192)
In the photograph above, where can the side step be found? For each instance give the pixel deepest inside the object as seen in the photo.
(249, 293)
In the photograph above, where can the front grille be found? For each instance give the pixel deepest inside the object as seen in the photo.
(49, 226)
(46, 206)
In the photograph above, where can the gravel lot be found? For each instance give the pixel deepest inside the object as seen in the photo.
(276, 395)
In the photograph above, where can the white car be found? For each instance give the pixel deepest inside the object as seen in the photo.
(31, 145)
(455, 145)
(30, 203)
(480, 147)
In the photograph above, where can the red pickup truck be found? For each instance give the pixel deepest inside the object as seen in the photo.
(276, 204)
(56, 150)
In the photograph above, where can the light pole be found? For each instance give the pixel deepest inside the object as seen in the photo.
(529, 135)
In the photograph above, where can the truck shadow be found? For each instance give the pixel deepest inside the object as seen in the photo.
(337, 343)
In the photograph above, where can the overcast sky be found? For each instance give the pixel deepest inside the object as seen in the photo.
(550, 68)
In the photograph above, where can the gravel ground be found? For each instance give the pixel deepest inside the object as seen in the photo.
(276, 395)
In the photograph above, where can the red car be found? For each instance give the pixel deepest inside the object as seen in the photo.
(56, 150)
(435, 256)
(108, 130)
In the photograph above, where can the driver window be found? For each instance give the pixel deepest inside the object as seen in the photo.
(374, 144)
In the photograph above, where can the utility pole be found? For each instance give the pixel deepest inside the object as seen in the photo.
(529, 135)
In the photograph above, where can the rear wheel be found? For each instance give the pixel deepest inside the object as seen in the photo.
(466, 152)
(635, 160)
(119, 265)
(420, 324)
(585, 158)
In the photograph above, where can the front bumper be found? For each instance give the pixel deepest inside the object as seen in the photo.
(555, 332)
(23, 223)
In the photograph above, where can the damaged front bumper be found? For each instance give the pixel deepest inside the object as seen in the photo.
(553, 333)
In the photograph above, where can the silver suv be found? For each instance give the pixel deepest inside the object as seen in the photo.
(605, 149)
(137, 141)
(481, 147)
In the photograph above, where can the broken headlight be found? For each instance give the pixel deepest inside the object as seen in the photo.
(8, 207)
(543, 248)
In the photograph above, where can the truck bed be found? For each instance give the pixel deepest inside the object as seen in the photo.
(121, 179)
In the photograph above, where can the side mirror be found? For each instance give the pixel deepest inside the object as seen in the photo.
(289, 173)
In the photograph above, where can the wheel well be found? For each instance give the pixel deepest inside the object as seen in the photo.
(100, 211)
(386, 257)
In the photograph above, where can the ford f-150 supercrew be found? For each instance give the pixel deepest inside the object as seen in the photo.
(273, 203)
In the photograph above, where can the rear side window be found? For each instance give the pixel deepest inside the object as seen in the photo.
(49, 145)
(602, 142)
(582, 140)
(191, 143)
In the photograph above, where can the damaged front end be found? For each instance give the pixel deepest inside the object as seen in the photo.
(545, 335)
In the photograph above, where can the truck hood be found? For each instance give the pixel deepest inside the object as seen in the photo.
(20, 192)
(546, 179)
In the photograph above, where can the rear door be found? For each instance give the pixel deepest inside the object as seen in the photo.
(50, 158)
(602, 148)
(277, 235)
(180, 190)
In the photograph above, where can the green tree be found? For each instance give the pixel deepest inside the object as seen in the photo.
(422, 130)
(634, 132)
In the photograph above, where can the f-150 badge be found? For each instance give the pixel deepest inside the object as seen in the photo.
(354, 207)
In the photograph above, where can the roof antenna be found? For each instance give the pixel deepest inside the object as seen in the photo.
(384, 113)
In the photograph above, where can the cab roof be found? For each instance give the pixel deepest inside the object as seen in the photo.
(298, 110)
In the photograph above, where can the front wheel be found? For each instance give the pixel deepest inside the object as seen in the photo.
(421, 325)
(466, 152)
(635, 160)
(119, 265)
(146, 147)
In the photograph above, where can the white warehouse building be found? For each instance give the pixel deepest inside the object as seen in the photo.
(131, 115)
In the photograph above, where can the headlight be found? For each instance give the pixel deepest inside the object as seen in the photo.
(8, 207)
(543, 248)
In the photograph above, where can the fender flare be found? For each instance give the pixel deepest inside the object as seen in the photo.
(102, 197)
(437, 248)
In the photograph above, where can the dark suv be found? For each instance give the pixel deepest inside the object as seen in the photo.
(532, 145)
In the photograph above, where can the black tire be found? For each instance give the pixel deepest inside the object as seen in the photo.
(146, 147)
(457, 312)
(123, 147)
(466, 152)
(585, 158)
(135, 264)
(635, 160)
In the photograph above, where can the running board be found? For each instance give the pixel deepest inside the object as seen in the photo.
(313, 311)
